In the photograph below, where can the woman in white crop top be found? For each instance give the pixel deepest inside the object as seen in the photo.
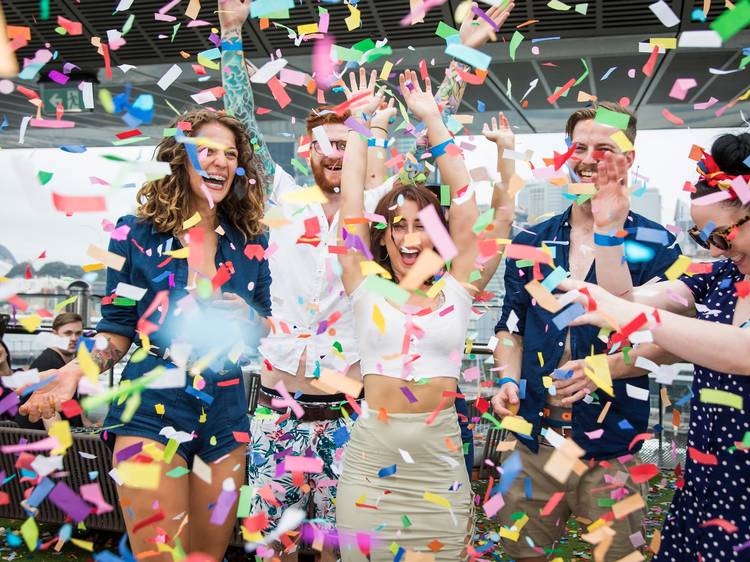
(404, 458)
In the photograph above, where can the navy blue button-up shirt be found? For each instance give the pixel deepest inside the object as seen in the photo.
(149, 267)
(627, 416)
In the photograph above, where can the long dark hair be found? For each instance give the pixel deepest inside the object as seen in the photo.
(387, 207)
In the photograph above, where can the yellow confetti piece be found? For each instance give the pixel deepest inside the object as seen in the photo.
(509, 534)
(541, 358)
(59, 306)
(622, 141)
(433, 291)
(31, 323)
(60, 430)
(85, 545)
(597, 369)
(437, 500)
(305, 195)
(159, 409)
(547, 381)
(307, 29)
(678, 267)
(386, 70)
(353, 20)
(516, 424)
(377, 319)
(30, 533)
(179, 253)
(521, 523)
(663, 42)
(721, 397)
(139, 475)
(89, 368)
(373, 268)
(192, 221)
(93, 267)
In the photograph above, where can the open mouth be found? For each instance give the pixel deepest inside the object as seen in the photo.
(587, 176)
(409, 255)
(216, 183)
(333, 167)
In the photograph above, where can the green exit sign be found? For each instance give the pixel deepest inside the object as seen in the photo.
(70, 98)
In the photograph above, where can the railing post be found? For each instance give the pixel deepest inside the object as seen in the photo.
(81, 290)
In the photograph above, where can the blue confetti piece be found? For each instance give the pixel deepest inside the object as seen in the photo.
(685, 399)
(557, 276)
(512, 467)
(542, 39)
(746, 161)
(560, 375)
(725, 283)
(481, 106)
(606, 74)
(387, 471)
(698, 15)
(658, 428)
(106, 556)
(40, 492)
(341, 436)
(66, 531)
(635, 252)
(93, 474)
(625, 425)
(207, 398)
(14, 540)
(563, 318)
(4, 123)
(654, 235)
(522, 389)
(401, 552)
(163, 275)
(240, 171)
(707, 230)
(527, 487)
(37, 386)
(74, 148)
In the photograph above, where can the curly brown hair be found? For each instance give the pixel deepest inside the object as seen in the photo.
(166, 202)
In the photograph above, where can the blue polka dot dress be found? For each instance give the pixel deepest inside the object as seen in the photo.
(718, 491)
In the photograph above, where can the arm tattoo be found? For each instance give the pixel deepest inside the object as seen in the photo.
(106, 358)
(239, 101)
(448, 96)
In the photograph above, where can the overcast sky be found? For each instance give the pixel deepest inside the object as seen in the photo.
(30, 225)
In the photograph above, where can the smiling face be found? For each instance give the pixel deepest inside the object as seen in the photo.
(326, 168)
(219, 164)
(724, 216)
(405, 239)
(592, 141)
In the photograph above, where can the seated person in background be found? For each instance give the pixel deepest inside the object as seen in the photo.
(68, 325)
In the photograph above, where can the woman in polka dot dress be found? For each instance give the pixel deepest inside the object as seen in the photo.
(709, 516)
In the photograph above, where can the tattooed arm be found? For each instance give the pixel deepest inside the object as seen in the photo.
(239, 99)
(47, 401)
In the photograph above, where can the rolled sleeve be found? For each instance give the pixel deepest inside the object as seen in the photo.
(120, 320)
(516, 299)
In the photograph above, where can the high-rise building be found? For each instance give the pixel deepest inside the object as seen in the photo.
(647, 203)
(541, 198)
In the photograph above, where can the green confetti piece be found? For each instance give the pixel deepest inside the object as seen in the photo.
(364, 45)
(626, 355)
(129, 140)
(379, 52)
(525, 263)
(387, 289)
(131, 407)
(44, 177)
(483, 220)
(128, 24)
(444, 30)
(123, 301)
(170, 450)
(174, 31)
(721, 397)
(123, 390)
(344, 54)
(170, 132)
(61, 31)
(337, 345)
(731, 22)
(474, 276)
(405, 521)
(44, 9)
(300, 166)
(746, 439)
(583, 76)
(489, 417)
(445, 195)
(30, 533)
(204, 288)
(178, 471)
(612, 118)
(605, 502)
(243, 506)
(515, 41)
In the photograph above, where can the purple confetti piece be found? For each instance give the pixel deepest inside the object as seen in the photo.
(479, 12)
(9, 401)
(128, 452)
(69, 502)
(409, 395)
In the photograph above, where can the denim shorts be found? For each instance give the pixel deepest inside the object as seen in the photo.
(224, 406)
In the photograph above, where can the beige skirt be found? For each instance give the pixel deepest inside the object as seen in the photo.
(425, 506)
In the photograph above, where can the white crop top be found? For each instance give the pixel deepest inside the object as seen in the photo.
(412, 346)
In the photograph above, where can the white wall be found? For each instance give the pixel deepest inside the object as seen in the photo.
(29, 224)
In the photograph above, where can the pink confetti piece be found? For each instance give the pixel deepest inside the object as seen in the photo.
(705, 104)
(493, 505)
(287, 400)
(311, 465)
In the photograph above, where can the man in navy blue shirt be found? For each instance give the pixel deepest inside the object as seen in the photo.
(562, 415)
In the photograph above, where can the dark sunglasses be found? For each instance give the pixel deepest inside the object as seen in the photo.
(719, 237)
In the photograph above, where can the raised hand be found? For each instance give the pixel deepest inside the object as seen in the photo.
(384, 114)
(500, 132)
(607, 310)
(611, 203)
(367, 101)
(233, 14)
(420, 101)
(476, 31)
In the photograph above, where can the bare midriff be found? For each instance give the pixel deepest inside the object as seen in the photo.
(299, 382)
(386, 392)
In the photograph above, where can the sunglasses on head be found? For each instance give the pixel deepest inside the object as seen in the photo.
(719, 237)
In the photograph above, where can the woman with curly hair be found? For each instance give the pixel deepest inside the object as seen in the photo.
(190, 278)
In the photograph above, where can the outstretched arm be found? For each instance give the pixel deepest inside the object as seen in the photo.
(502, 201)
(238, 98)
